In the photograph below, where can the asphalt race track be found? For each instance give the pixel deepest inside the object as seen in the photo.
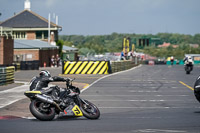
(144, 99)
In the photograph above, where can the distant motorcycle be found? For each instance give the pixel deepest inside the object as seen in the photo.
(46, 104)
(188, 67)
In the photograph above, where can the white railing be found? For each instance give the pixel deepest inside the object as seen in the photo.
(6, 31)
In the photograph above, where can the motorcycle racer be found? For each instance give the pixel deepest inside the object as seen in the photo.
(188, 60)
(38, 83)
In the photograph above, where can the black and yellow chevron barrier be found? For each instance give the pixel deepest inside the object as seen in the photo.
(86, 67)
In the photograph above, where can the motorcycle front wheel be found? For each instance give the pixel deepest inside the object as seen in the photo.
(89, 110)
(41, 110)
(197, 90)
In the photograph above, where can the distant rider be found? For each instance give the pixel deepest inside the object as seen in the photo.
(172, 60)
(188, 61)
(38, 83)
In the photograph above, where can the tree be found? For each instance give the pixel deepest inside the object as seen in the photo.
(60, 43)
(113, 43)
(86, 51)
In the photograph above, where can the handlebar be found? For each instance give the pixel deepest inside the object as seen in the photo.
(69, 81)
(70, 87)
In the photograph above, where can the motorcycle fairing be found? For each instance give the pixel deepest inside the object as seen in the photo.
(35, 92)
(31, 94)
(77, 111)
(72, 110)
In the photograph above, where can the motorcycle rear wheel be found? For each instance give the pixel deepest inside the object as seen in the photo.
(90, 111)
(43, 114)
(187, 72)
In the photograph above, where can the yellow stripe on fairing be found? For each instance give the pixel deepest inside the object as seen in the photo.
(36, 92)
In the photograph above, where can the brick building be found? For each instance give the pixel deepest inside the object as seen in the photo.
(29, 26)
(29, 50)
(29, 37)
(6, 46)
(6, 50)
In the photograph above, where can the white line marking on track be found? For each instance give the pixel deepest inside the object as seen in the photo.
(9, 102)
(139, 100)
(137, 95)
(149, 107)
(159, 131)
(109, 76)
(160, 91)
(29, 118)
(12, 95)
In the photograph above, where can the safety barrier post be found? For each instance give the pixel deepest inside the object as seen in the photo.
(10, 74)
(7, 75)
(2, 76)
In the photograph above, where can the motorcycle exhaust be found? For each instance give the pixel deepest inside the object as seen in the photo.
(44, 99)
(47, 100)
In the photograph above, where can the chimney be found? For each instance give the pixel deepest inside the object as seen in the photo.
(27, 5)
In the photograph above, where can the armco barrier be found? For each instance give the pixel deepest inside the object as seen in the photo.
(7, 75)
(86, 67)
(117, 66)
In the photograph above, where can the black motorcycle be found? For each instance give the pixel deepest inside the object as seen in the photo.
(46, 104)
(197, 88)
(188, 68)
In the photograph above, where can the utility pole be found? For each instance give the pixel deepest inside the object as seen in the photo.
(49, 28)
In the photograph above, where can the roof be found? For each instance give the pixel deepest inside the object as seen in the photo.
(195, 55)
(27, 19)
(67, 48)
(164, 45)
(32, 44)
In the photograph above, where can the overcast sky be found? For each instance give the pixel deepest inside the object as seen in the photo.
(99, 17)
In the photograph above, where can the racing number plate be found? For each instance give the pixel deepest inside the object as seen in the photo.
(77, 111)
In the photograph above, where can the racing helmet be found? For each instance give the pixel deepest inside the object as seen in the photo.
(45, 73)
(189, 57)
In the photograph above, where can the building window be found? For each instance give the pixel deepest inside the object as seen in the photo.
(42, 35)
(23, 57)
(38, 34)
(19, 35)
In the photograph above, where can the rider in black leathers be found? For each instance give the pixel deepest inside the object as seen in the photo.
(37, 83)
